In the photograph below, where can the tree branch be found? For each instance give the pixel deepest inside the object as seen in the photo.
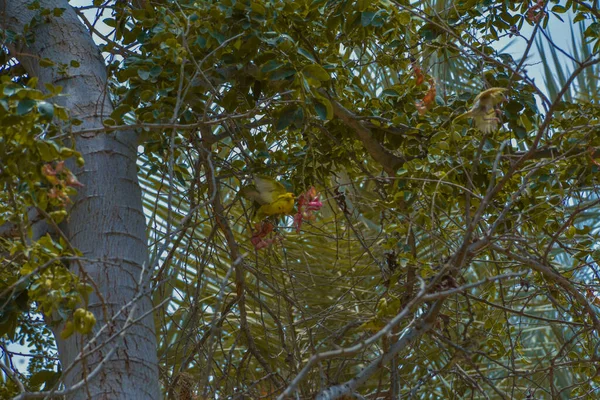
(389, 161)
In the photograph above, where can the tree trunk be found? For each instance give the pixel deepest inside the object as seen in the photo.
(106, 222)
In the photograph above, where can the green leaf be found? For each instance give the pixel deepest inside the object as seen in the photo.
(514, 107)
(362, 5)
(32, 82)
(292, 114)
(323, 108)
(306, 54)
(520, 132)
(443, 145)
(43, 377)
(46, 63)
(315, 71)
(22, 301)
(155, 71)
(366, 18)
(61, 113)
(559, 9)
(258, 8)
(110, 22)
(404, 18)
(230, 100)
(579, 17)
(390, 93)
(143, 73)
(24, 106)
(147, 95)
(8, 324)
(53, 89)
(200, 42)
(378, 19)
(429, 32)
(218, 36)
(9, 90)
(48, 150)
(271, 65)
(282, 73)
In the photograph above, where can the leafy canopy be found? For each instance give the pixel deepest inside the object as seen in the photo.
(470, 254)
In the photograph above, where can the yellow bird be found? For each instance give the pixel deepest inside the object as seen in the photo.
(483, 110)
(271, 197)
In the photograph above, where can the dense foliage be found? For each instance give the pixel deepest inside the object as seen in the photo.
(445, 262)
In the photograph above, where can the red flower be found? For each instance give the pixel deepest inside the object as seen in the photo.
(424, 105)
(59, 177)
(263, 229)
(419, 77)
(308, 202)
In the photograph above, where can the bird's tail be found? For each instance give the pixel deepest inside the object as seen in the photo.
(461, 116)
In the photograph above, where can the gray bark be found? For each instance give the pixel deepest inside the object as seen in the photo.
(106, 221)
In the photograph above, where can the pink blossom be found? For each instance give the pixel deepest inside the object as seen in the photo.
(260, 243)
(308, 202)
(263, 229)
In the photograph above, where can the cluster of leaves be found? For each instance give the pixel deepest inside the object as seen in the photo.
(35, 188)
(255, 58)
